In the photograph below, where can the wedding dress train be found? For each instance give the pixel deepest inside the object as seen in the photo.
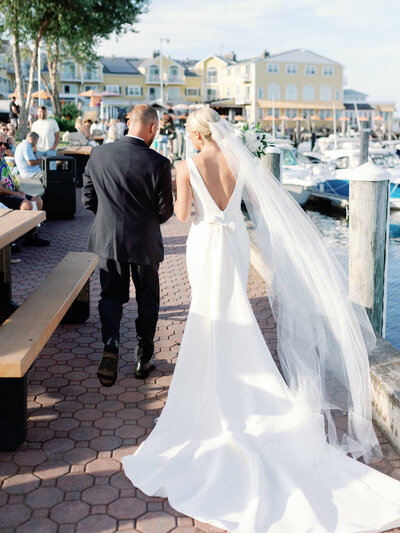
(233, 446)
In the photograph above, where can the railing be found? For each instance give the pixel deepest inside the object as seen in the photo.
(69, 76)
(175, 79)
(153, 78)
(212, 79)
(242, 100)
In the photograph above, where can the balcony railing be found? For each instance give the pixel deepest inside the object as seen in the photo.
(212, 79)
(93, 76)
(69, 76)
(242, 100)
(153, 78)
(175, 79)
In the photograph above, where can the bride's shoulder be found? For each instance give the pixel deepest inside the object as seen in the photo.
(182, 170)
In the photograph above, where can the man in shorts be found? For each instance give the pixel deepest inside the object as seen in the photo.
(13, 198)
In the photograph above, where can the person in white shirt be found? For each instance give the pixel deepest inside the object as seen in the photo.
(49, 134)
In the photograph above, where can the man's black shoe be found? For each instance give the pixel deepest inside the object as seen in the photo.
(108, 367)
(35, 240)
(142, 370)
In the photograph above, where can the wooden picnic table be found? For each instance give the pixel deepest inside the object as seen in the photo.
(13, 225)
(81, 155)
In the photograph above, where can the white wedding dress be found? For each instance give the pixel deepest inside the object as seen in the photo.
(233, 447)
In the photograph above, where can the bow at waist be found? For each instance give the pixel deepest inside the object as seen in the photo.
(220, 221)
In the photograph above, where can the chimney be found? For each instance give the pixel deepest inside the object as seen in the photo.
(156, 53)
(231, 56)
(264, 54)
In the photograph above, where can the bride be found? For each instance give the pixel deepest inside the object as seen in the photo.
(237, 445)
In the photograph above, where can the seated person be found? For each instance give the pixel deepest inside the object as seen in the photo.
(29, 166)
(13, 198)
(112, 135)
(85, 130)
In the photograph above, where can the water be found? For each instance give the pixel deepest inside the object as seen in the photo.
(335, 230)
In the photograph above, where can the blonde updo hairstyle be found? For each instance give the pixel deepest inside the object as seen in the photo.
(198, 121)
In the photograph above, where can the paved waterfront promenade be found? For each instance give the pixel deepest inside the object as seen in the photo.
(67, 476)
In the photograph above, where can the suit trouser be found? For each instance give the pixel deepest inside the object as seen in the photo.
(114, 281)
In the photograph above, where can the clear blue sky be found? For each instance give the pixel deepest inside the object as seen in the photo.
(363, 35)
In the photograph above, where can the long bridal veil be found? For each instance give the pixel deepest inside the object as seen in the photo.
(323, 337)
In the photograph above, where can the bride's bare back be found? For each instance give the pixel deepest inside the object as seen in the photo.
(217, 177)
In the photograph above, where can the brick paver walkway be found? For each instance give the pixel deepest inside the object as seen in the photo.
(67, 476)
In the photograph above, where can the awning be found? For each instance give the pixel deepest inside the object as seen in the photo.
(385, 108)
(227, 102)
(288, 104)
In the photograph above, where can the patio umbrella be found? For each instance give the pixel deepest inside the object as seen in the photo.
(298, 118)
(90, 93)
(378, 118)
(345, 119)
(107, 93)
(14, 94)
(284, 117)
(329, 119)
(240, 118)
(180, 107)
(315, 117)
(44, 95)
(363, 119)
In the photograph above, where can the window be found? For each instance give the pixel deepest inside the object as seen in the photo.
(91, 72)
(327, 71)
(212, 75)
(154, 93)
(291, 69)
(310, 70)
(325, 94)
(154, 73)
(337, 95)
(173, 73)
(272, 68)
(291, 91)
(134, 90)
(173, 94)
(260, 113)
(192, 91)
(113, 89)
(69, 71)
(70, 89)
(260, 92)
(274, 91)
(229, 92)
(238, 91)
(93, 88)
(229, 69)
(247, 70)
(212, 94)
(308, 92)
(247, 92)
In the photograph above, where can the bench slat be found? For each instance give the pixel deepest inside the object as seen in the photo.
(24, 334)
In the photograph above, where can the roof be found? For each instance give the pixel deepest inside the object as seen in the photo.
(352, 92)
(299, 55)
(118, 65)
(360, 106)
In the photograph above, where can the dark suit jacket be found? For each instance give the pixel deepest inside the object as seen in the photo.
(128, 187)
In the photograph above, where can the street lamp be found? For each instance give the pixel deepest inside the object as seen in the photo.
(165, 40)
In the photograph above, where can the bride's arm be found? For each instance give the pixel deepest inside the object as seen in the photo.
(184, 195)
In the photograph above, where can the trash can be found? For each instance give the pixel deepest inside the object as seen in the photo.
(59, 199)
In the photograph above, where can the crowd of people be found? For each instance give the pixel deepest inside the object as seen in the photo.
(20, 166)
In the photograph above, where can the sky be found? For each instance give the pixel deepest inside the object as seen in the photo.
(362, 35)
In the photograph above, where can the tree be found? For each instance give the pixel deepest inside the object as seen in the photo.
(71, 28)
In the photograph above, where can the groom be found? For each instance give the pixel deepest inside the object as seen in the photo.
(128, 187)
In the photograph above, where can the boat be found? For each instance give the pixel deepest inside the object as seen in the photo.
(338, 163)
(298, 179)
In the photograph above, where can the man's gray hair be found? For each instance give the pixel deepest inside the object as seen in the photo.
(32, 136)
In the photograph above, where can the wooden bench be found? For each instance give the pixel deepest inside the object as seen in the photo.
(63, 295)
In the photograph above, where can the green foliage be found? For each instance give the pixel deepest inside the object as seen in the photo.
(69, 111)
(65, 124)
